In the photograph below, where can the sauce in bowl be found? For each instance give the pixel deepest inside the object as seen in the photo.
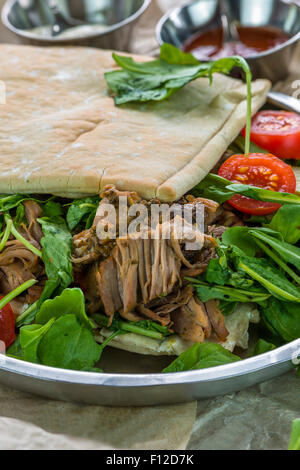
(253, 40)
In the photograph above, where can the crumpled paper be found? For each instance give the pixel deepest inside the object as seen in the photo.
(29, 422)
(257, 418)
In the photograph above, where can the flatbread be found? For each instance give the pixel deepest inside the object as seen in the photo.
(61, 133)
(237, 325)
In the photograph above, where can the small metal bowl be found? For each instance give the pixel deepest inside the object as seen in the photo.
(180, 24)
(117, 17)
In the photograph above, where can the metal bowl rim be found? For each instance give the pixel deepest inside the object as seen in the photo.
(247, 366)
(20, 32)
(266, 53)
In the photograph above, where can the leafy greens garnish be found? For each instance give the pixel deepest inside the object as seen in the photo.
(159, 79)
(62, 335)
(221, 190)
(144, 328)
(56, 254)
(82, 210)
(202, 356)
(295, 436)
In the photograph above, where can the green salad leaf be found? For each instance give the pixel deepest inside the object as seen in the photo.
(146, 328)
(159, 79)
(262, 347)
(56, 254)
(82, 210)
(262, 271)
(282, 319)
(239, 237)
(202, 356)
(70, 301)
(221, 190)
(295, 436)
(30, 338)
(287, 222)
(69, 345)
(208, 292)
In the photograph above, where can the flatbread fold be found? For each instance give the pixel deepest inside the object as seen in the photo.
(61, 133)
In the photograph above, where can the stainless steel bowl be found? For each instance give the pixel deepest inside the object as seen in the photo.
(132, 389)
(182, 23)
(117, 17)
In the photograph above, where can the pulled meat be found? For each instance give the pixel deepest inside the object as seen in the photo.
(141, 275)
(17, 263)
(33, 212)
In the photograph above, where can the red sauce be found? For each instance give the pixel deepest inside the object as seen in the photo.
(253, 40)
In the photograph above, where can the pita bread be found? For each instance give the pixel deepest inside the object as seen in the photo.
(237, 324)
(61, 133)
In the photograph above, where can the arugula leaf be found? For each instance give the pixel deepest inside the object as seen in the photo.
(262, 347)
(157, 80)
(57, 249)
(239, 237)
(216, 274)
(290, 253)
(282, 319)
(287, 222)
(53, 210)
(82, 209)
(30, 338)
(262, 271)
(208, 292)
(56, 254)
(68, 345)
(10, 202)
(15, 349)
(70, 301)
(202, 356)
(221, 190)
(145, 328)
(264, 195)
(295, 436)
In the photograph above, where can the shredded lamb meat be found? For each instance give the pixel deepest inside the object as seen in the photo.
(17, 263)
(142, 276)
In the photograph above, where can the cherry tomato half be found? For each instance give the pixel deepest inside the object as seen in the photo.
(262, 171)
(7, 325)
(278, 132)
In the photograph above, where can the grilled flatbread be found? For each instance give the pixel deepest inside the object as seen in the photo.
(61, 133)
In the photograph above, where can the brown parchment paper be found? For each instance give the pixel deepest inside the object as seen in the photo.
(257, 418)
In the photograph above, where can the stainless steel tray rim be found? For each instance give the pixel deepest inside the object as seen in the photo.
(246, 366)
(9, 3)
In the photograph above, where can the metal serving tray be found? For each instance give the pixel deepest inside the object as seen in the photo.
(125, 389)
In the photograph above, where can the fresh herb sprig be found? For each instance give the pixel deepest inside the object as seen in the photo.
(159, 79)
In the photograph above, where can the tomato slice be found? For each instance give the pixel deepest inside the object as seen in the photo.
(262, 171)
(7, 325)
(278, 132)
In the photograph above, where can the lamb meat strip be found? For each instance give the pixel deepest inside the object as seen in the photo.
(212, 208)
(15, 251)
(163, 319)
(87, 249)
(89, 282)
(187, 326)
(33, 212)
(191, 322)
(12, 276)
(217, 319)
(108, 287)
(126, 259)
